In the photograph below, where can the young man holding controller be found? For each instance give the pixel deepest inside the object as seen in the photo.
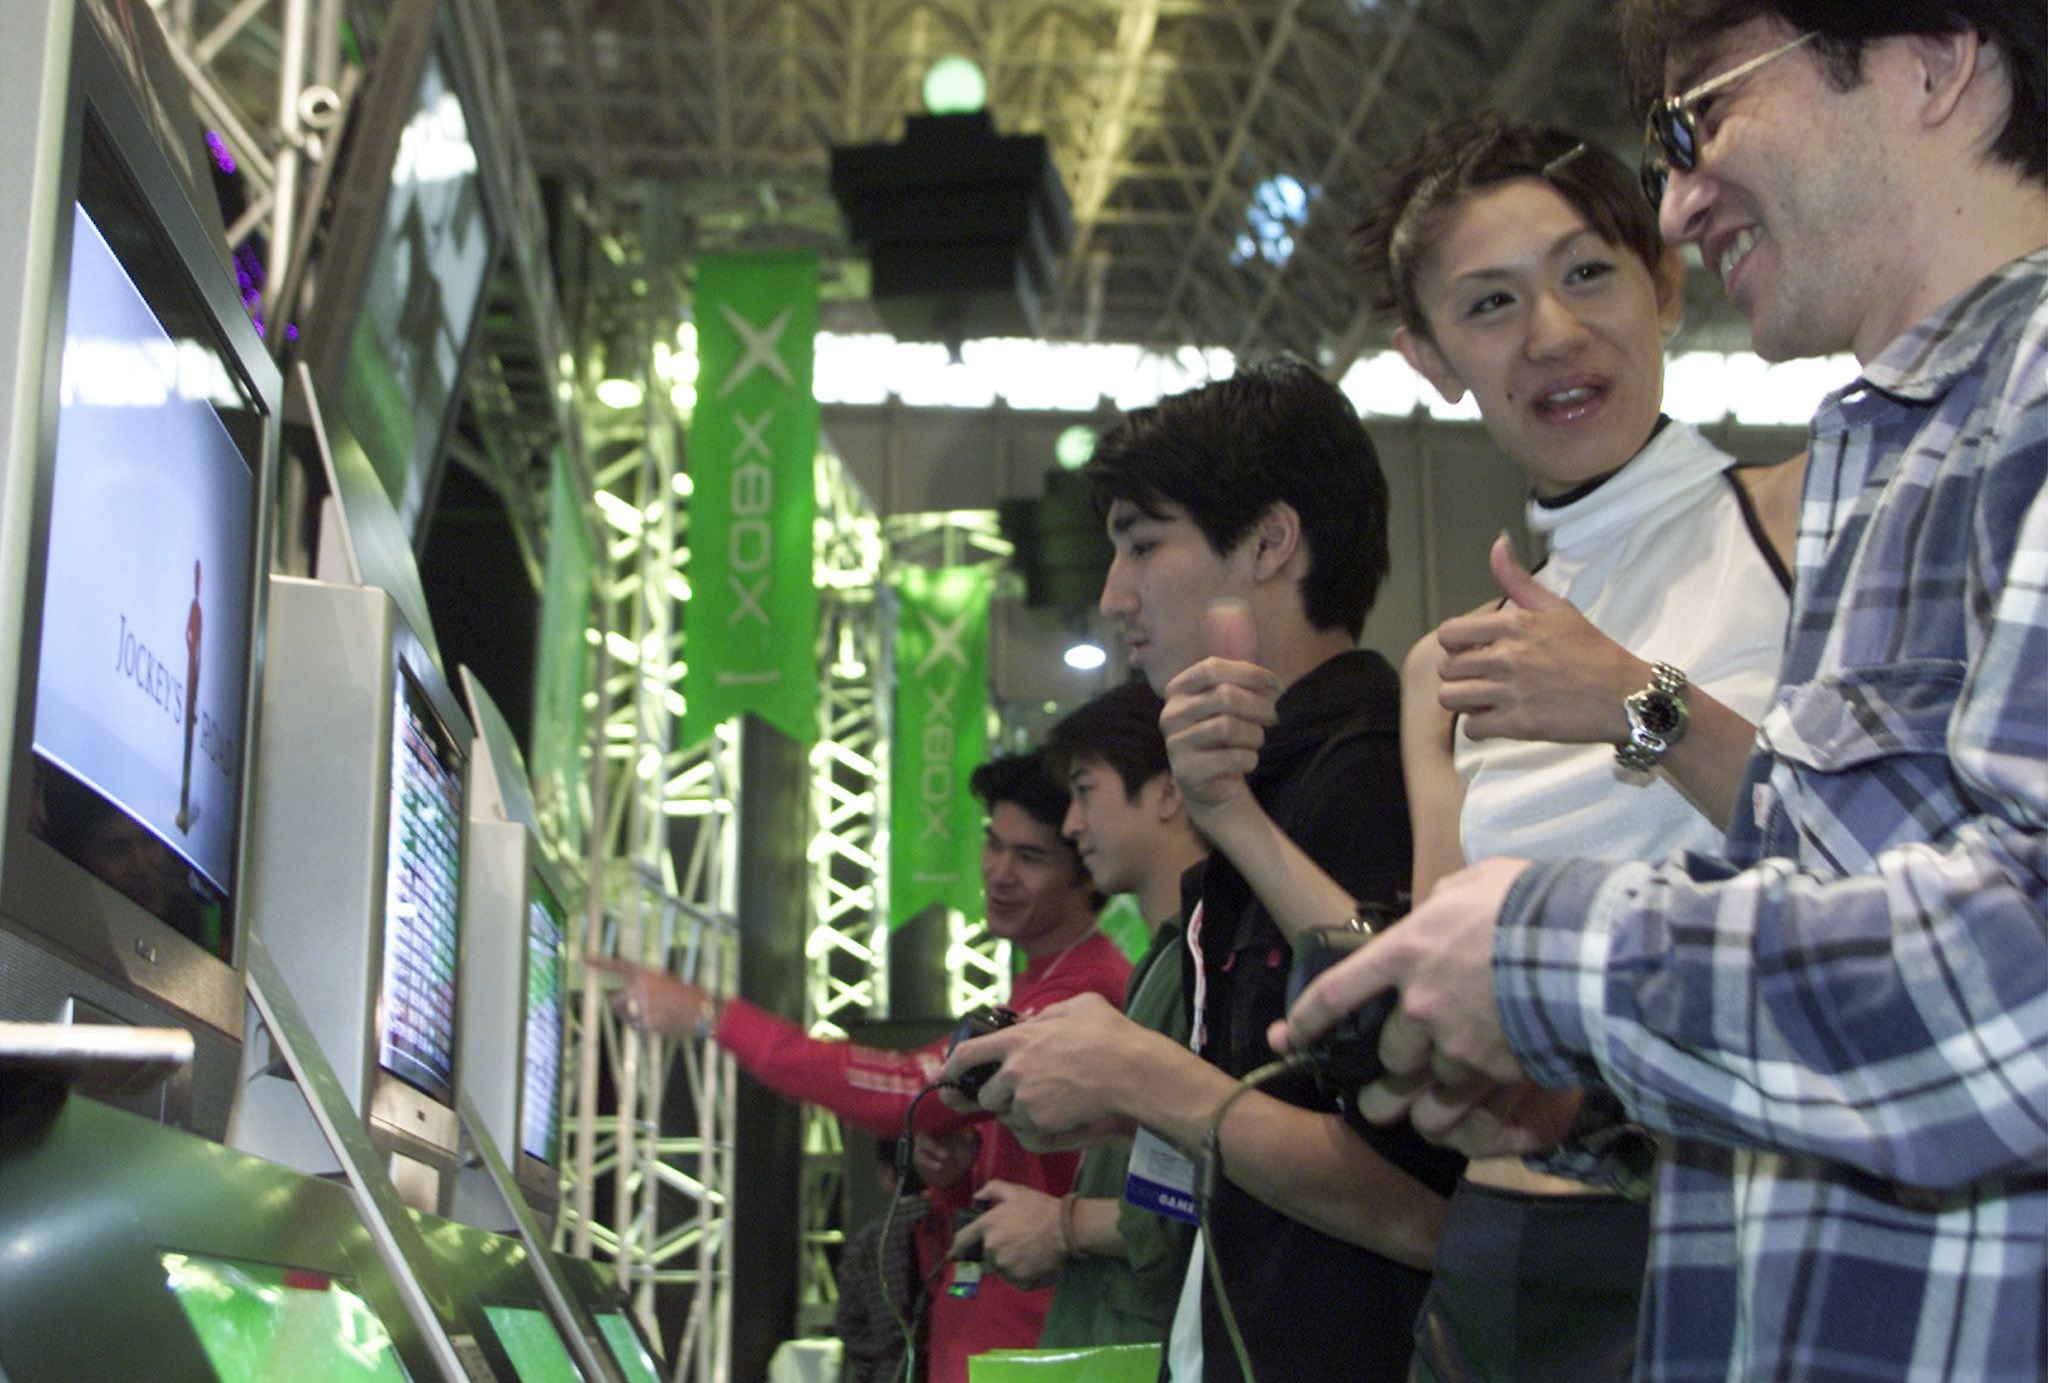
(1260, 494)
(1116, 1267)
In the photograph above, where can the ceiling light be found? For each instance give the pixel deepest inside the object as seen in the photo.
(1074, 446)
(954, 86)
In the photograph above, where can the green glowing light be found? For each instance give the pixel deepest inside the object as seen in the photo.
(1074, 446)
(954, 86)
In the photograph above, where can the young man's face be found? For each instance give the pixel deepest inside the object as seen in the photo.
(1162, 580)
(1117, 834)
(1792, 205)
(1032, 881)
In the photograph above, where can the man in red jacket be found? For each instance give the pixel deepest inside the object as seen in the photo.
(1039, 899)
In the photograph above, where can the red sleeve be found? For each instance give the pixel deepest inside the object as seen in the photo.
(871, 1088)
(866, 1086)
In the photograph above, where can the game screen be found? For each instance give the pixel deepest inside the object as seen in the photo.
(422, 898)
(530, 1340)
(541, 1099)
(138, 757)
(264, 1324)
(624, 1342)
(425, 282)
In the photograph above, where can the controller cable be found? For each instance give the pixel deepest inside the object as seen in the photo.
(903, 1172)
(1209, 1174)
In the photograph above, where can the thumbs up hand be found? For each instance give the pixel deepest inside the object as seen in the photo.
(1516, 582)
(1217, 712)
(1534, 668)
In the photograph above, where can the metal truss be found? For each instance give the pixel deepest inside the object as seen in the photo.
(665, 846)
(846, 949)
(1165, 119)
(267, 76)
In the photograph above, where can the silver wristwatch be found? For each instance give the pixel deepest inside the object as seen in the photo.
(1656, 719)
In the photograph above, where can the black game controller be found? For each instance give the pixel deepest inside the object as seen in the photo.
(963, 1217)
(979, 1022)
(1345, 1059)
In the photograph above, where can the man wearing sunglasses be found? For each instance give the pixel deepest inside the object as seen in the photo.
(1844, 1024)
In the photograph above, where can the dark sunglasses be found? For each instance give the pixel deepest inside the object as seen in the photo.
(1671, 131)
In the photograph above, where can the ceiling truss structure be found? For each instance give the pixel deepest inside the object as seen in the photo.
(1164, 118)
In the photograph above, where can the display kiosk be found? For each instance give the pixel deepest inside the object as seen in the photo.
(139, 1251)
(356, 881)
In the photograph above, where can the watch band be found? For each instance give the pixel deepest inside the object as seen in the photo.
(1656, 719)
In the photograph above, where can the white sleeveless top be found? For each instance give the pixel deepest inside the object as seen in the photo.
(1660, 558)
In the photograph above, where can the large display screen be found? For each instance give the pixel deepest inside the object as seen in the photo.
(624, 1342)
(422, 897)
(142, 670)
(540, 1104)
(264, 1324)
(420, 298)
(532, 1343)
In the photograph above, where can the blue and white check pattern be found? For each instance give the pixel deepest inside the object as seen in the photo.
(1846, 1024)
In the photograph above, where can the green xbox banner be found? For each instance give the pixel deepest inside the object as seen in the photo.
(941, 736)
(751, 626)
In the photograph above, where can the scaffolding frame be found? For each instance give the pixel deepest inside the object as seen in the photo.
(664, 846)
(846, 944)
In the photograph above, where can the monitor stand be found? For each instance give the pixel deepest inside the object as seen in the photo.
(578, 1330)
(391, 1228)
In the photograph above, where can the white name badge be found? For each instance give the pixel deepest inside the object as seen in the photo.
(1160, 1179)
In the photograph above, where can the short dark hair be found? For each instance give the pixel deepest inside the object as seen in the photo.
(1027, 780)
(1652, 30)
(1470, 154)
(1228, 451)
(1119, 727)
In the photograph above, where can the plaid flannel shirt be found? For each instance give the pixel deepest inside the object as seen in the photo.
(1845, 1024)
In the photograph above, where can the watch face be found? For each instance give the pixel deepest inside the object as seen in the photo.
(1660, 712)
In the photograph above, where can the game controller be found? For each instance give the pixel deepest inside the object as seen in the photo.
(1345, 1059)
(963, 1217)
(978, 1022)
(967, 1262)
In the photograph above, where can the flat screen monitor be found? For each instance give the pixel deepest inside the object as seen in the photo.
(400, 286)
(540, 1103)
(138, 1251)
(138, 757)
(422, 896)
(529, 1338)
(138, 649)
(628, 1350)
(356, 877)
(259, 1322)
